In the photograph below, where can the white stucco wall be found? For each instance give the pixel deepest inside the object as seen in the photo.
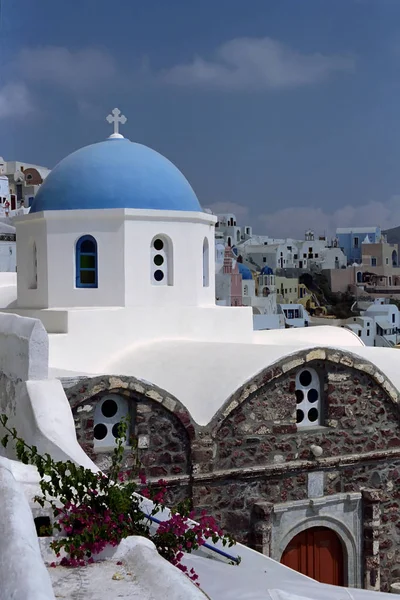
(23, 349)
(23, 575)
(187, 231)
(40, 412)
(96, 337)
(223, 288)
(4, 187)
(36, 406)
(8, 253)
(329, 256)
(155, 576)
(124, 240)
(388, 311)
(27, 236)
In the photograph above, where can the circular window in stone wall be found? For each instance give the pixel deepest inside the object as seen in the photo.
(299, 396)
(109, 408)
(100, 431)
(312, 395)
(305, 378)
(109, 412)
(308, 398)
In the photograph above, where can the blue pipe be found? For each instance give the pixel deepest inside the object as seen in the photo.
(208, 546)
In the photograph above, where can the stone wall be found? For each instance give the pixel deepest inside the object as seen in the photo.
(262, 456)
(252, 461)
(157, 423)
(359, 417)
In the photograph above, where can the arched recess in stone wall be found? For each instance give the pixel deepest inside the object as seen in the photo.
(88, 387)
(294, 362)
(351, 546)
(162, 425)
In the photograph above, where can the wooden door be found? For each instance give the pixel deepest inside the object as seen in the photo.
(317, 553)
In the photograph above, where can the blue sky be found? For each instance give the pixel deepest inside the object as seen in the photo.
(283, 111)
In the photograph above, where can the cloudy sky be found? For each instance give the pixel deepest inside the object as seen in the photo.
(285, 112)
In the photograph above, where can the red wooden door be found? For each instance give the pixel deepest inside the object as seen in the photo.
(318, 553)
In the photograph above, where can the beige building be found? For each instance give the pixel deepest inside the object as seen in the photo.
(381, 254)
(377, 275)
(287, 289)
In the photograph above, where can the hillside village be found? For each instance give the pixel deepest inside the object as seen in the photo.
(349, 281)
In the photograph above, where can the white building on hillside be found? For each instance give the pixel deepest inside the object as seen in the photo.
(293, 254)
(319, 252)
(24, 181)
(7, 248)
(295, 315)
(232, 233)
(378, 325)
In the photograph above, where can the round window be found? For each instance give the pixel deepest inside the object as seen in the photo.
(100, 431)
(158, 275)
(312, 395)
(158, 244)
(115, 430)
(308, 397)
(109, 408)
(158, 260)
(305, 378)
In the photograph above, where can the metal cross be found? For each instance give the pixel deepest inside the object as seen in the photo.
(116, 117)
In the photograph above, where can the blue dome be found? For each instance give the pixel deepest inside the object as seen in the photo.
(266, 270)
(244, 271)
(115, 173)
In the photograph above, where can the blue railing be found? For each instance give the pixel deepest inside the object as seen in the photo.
(234, 559)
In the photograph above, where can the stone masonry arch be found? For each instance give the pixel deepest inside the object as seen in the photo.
(347, 529)
(162, 428)
(86, 388)
(295, 361)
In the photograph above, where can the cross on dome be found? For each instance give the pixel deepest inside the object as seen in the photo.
(116, 117)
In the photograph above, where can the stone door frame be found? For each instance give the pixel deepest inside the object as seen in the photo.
(340, 512)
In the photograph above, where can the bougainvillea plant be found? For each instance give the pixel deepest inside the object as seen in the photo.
(93, 510)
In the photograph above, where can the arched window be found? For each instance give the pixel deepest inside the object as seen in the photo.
(206, 263)
(308, 398)
(86, 262)
(229, 242)
(33, 274)
(359, 277)
(161, 268)
(108, 414)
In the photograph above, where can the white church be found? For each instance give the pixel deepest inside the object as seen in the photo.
(116, 259)
(115, 294)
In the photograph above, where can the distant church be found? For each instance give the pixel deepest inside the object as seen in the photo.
(289, 438)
